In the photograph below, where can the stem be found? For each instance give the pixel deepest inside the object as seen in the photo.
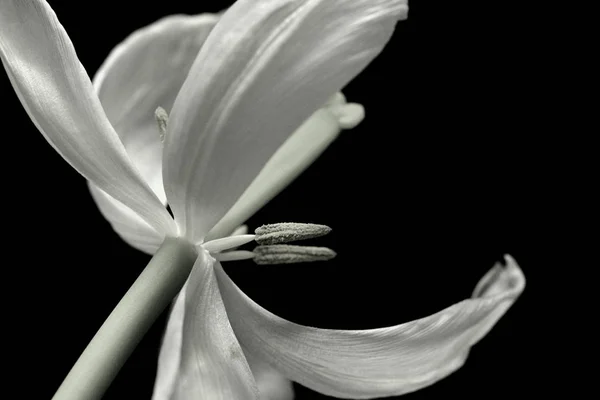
(114, 342)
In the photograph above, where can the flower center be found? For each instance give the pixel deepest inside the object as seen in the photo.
(272, 238)
(271, 247)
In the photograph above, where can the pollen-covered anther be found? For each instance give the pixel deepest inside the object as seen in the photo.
(289, 232)
(162, 118)
(289, 254)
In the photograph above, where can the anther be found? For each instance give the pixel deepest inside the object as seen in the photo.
(162, 118)
(289, 232)
(288, 254)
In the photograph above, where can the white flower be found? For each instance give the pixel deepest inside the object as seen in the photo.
(236, 87)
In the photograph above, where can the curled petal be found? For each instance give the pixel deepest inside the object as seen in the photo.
(144, 72)
(201, 357)
(371, 363)
(56, 92)
(264, 69)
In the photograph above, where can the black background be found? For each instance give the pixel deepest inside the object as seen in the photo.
(450, 170)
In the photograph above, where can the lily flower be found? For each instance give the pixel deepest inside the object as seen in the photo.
(251, 96)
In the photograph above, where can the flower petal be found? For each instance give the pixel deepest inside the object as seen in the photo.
(54, 88)
(128, 225)
(264, 69)
(272, 385)
(144, 72)
(201, 357)
(298, 152)
(376, 362)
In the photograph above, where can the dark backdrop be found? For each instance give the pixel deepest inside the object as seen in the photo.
(446, 174)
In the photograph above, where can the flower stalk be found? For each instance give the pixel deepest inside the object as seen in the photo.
(150, 294)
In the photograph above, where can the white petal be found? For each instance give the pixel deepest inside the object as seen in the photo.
(128, 225)
(264, 69)
(272, 385)
(54, 88)
(208, 363)
(298, 152)
(375, 362)
(144, 72)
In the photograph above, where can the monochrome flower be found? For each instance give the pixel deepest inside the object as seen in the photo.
(248, 99)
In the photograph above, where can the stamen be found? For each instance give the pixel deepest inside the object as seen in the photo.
(288, 254)
(162, 118)
(235, 255)
(289, 232)
(217, 245)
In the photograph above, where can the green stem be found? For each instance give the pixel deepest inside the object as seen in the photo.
(114, 342)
